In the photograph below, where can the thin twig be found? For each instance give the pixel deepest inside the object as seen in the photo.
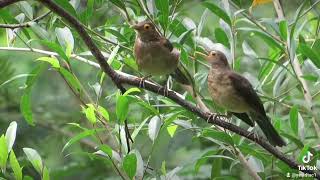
(26, 24)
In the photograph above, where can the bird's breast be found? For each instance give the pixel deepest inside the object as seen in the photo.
(224, 94)
(155, 59)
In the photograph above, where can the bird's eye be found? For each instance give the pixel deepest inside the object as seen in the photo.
(146, 26)
(213, 53)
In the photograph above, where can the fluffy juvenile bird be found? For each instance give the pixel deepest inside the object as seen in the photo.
(235, 93)
(155, 55)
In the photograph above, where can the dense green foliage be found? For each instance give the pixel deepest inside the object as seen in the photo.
(64, 118)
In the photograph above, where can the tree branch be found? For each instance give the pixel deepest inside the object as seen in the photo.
(118, 79)
(26, 24)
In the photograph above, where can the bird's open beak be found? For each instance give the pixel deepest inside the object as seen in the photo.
(201, 54)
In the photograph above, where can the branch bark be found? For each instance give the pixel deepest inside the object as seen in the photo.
(119, 79)
(26, 24)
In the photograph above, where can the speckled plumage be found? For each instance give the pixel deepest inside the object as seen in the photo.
(235, 93)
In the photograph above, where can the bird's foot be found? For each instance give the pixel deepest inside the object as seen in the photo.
(254, 134)
(165, 90)
(142, 81)
(211, 116)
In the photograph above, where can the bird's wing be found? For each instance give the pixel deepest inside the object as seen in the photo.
(245, 90)
(166, 43)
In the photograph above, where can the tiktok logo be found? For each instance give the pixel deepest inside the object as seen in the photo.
(307, 157)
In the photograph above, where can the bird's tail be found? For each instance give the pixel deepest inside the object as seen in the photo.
(269, 131)
(181, 75)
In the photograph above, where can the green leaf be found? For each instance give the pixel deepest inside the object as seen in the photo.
(132, 90)
(172, 129)
(38, 30)
(11, 135)
(26, 9)
(163, 7)
(74, 82)
(25, 105)
(154, 127)
(67, 6)
(89, 111)
(203, 159)
(265, 37)
(184, 36)
(113, 54)
(218, 135)
(80, 136)
(14, 78)
(106, 149)
(56, 48)
(219, 12)
(216, 168)
(53, 61)
(7, 17)
(293, 139)
(45, 174)
(283, 29)
(130, 165)
(294, 119)
(104, 113)
(137, 130)
(65, 38)
(3, 153)
(118, 35)
(221, 37)
(90, 6)
(313, 55)
(15, 166)
(118, 3)
(122, 108)
(34, 158)
(310, 77)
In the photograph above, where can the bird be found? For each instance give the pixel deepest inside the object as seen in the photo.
(156, 56)
(234, 92)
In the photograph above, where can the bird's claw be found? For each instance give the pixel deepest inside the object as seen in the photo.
(142, 81)
(165, 90)
(211, 116)
(255, 136)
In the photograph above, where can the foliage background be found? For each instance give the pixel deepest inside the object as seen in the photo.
(193, 152)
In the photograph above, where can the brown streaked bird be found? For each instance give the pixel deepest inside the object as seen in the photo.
(155, 55)
(235, 93)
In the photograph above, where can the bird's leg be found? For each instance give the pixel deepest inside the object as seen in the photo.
(142, 80)
(255, 135)
(228, 116)
(165, 88)
(211, 116)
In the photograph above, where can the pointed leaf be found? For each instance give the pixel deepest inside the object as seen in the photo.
(130, 165)
(122, 108)
(218, 11)
(15, 166)
(154, 127)
(11, 135)
(294, 119)
(34, 158)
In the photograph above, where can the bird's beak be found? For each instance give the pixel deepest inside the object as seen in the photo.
(201, 54)
(135, 26)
